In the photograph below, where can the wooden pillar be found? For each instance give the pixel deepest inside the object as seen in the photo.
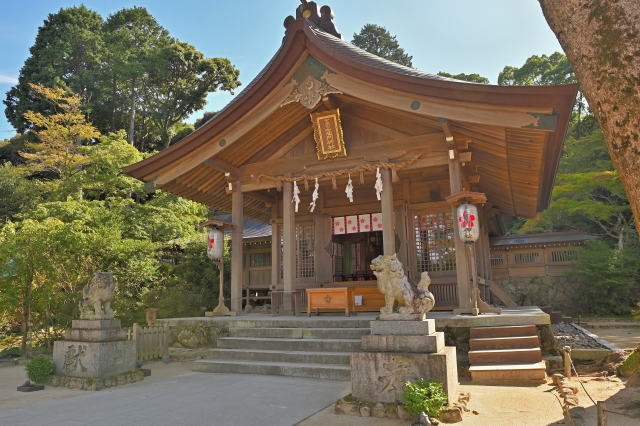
(236, 248)
(462, 265)
(275, 247)
(324, 268)
(401, 232)
(289, 237)
(388, 231)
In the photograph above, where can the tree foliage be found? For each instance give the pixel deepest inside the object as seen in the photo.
(66, 54)
(378, 41)
(552, 70)
(473, 78)
(129, 73)
(60, 134)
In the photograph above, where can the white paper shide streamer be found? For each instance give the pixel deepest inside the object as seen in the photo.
(296, 195)
(378, 183)
(314, 197)
(349, 189)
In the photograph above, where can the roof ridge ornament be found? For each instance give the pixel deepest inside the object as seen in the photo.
(322, 17)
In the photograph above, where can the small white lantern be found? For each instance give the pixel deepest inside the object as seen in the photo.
(468, 225)
(215, 248)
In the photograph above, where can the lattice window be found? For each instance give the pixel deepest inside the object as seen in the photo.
(520, 258)
(260, 260)
(305, 246)
(435, 242)
(497, 260)
(563, 256)
(305, 241)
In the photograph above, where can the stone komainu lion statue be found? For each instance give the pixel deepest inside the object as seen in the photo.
(96, 297)
(417, 299)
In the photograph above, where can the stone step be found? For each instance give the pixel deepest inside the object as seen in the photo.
(505, 356)
(356, 321)
(507, 331)
(518, 342)
(310, 370)
(307, 345)
(280, 356)
(520, 372)
(299, 333)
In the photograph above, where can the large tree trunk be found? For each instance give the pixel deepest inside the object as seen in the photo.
(602, 41)
(132, 113)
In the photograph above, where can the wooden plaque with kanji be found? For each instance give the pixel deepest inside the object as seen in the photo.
(327, 132)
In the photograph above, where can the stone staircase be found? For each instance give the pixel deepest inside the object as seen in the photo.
(318, 348)
(506, 354)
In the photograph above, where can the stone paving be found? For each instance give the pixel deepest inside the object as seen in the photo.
(189, 400)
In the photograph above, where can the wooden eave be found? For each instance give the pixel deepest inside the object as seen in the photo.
(187, 175)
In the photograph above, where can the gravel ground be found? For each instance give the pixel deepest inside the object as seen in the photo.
(568, 335)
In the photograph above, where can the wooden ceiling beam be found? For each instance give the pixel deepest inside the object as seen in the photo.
(222, 166)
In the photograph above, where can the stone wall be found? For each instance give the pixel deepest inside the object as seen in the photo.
(562, 293)
(195, 333)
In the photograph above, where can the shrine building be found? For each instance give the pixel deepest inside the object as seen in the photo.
(393, 150)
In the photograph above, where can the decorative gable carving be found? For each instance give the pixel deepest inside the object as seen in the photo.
(309, 92)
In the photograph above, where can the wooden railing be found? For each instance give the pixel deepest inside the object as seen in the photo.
(151, 342)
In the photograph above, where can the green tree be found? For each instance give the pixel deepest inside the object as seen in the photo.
(378, 41)
(612, 275)
(179, 80)
(551, 70)
(61, 133)
(208, 115)
(133, 37)
(66, 54)
(473, 78)
(16, 193)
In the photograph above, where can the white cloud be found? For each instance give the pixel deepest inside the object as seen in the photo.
(8, 79)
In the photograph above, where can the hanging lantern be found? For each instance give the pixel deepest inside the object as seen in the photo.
(215, 248)
(468, 225)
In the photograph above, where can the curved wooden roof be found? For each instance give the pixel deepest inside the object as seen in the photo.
(513, 128)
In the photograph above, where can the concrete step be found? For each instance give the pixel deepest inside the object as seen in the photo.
(521, 372)
(356, 321)
(311, 370)
(507, 331)
(489, 343)
(299, 333)
(343, 358)
(505, 356)
(307, 345)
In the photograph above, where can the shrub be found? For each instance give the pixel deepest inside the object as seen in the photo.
(10, 352)
(39, 369)
(424, 396)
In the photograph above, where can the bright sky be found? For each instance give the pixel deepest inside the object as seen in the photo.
(456, 36)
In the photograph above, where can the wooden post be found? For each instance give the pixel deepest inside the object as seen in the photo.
(237, 215)
(135, 336)
(289, 238)
(462, 265)
(165, 350)
(602, 413)
(567, 362)
(388, 231)
(275, 247)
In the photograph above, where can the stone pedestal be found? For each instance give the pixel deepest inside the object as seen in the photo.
(402, 348)
(95, 349)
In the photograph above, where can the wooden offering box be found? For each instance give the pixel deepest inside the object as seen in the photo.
(331, 300)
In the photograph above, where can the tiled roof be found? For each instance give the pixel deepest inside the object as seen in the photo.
(250, 228)
(354, 53)
(542, 238)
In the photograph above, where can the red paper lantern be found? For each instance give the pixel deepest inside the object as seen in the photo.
(468, 226)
